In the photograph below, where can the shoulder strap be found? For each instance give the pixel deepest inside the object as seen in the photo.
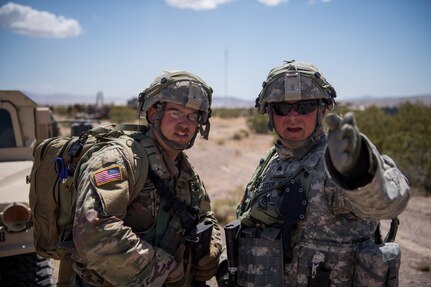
(187, 214)
(130, 127)
(141, 164)
(128, 137)
(159, 175)
(392, 233)
(256, 178)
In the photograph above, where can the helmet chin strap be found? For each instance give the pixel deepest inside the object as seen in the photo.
(171, 144)
(297, 149)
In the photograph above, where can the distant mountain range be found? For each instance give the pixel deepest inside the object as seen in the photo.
(70, 99)
(387, 101)
(222, 102)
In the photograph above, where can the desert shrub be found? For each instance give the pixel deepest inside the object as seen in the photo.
(240, 134)
(404, 134)
(424, 265)
(226, 113)
(122, 114)
(61, 110)
(258, 123)
(225, 209)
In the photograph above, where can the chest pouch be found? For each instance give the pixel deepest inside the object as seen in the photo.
(378, 265)
(260, 260)
(263, 212)
(293, 208)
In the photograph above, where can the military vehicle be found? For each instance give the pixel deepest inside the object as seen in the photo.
(22, 124)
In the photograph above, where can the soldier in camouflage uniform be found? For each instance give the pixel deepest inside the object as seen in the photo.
(129, 237)
(310, 214)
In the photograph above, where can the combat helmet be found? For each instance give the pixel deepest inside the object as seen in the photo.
(183, 88)
(294, 81)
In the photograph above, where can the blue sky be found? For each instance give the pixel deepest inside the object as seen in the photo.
(363, 47)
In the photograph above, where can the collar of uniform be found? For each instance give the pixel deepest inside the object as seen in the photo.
(286, 153)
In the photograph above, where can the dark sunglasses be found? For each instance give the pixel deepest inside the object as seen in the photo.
(302, 108)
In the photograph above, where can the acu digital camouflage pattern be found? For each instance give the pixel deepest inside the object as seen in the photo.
(294, 81)
(264, 266)
(338, 223)
(124, 239)
(294, 87)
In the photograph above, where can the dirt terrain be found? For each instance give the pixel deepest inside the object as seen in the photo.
(226, 164)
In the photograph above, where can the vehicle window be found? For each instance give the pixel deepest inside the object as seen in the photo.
(7, 137)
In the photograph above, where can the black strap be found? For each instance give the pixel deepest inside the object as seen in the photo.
(392, 233)
(189, 215)
(293, 207)
(390, 237)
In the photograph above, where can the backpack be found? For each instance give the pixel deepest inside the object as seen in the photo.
(52, 188)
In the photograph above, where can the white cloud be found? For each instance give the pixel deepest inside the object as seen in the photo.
(213, 4)
(28, 21)
(272, 2)
(312, 2)
(197, 4)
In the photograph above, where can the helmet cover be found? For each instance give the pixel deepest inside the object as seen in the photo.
(179, 87)
(294, 81)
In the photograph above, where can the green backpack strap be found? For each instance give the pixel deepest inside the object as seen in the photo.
(128, 136)
(137, 157)
(130, 128)
(100, 129)
(255, 180)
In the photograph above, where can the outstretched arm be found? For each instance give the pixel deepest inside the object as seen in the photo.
(373, 185)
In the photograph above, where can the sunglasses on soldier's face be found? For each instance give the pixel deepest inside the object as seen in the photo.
(302, 108)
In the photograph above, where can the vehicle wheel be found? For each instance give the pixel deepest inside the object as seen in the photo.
(26, 270)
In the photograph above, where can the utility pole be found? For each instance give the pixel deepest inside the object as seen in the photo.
(99, 99)
(226, 66)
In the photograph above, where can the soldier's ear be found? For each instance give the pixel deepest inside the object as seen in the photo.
(324, 112)
(151, 114)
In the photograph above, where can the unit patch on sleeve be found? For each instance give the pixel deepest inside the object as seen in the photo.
(106, 175)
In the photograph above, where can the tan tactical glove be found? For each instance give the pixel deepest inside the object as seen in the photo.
(206, 267)
(344, 142)
(176, 276)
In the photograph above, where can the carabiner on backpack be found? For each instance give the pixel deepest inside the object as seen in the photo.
(61, 169)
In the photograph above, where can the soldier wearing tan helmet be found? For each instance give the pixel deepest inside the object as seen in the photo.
(148, 237)
(310, 215)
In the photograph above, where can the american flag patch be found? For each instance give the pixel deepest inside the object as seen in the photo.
(108, 175)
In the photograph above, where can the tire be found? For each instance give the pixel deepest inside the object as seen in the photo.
(26, 270)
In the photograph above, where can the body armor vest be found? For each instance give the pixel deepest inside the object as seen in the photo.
(311, 236)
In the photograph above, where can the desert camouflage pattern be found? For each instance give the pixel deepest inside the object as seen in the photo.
(338, 223)
(293, 81)
(124, 239)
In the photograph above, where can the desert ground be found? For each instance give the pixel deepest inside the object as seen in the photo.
(227, 160)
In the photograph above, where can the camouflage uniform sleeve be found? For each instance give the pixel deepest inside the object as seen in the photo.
(384, 197)
(102, 242)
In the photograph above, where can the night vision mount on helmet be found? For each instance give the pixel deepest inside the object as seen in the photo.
(294, 81)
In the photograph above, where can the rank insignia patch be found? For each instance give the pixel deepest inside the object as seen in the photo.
(106, 175)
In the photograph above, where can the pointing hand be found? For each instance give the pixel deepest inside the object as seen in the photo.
(344, 142)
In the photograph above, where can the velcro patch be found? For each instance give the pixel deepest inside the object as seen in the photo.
(106, 175)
